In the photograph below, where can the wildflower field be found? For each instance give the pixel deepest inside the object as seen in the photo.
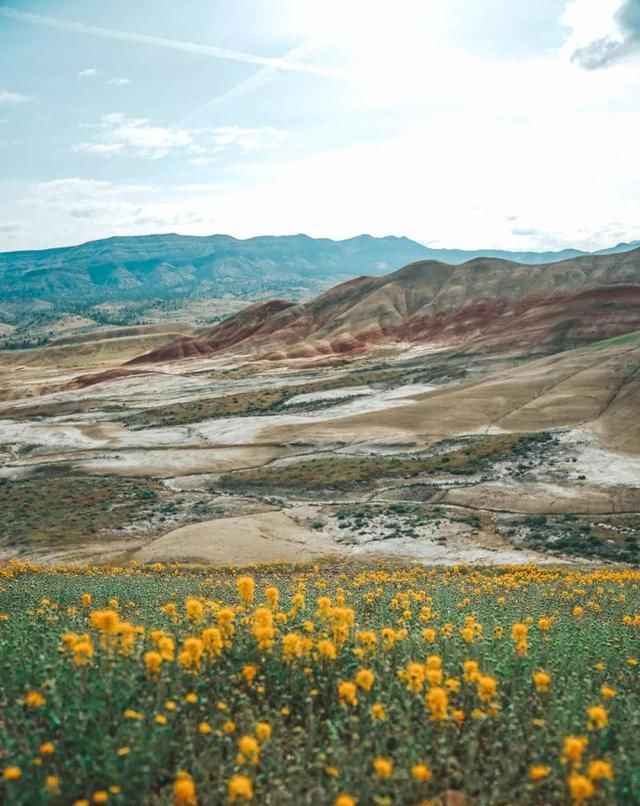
(319, 685)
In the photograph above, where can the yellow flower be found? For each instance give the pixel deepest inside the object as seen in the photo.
(160, 719)
(364, 679)
(229, 726)
(487, 687)
(539, 771)
(152, 662)
(11, 773)
(240, 786)
(542, 681)
(47, 748)
(246, 587)
(437, 702)
(184, 790)
(345, 800)
(378, 712)
(519, 632)
(598, 718)
(272, 595)
(204, 728)
(334, 772)
(100, 796)
(263, 731)
(327, 649)
(248, 749)
(123, 751)
(578, 611)
(574, 747)
(599, 769)
(131, 714)
(191, 698)
(194, 609)
(383, 767)
(34, 699)
(170, 705)
(434, 662)
(52, 785)
(166, 647)
(414, 675)
(580, 787)
(420, 772)
(263, 629)
(607, 692)
(107, 621)
(249, 671)
(347, 692)
(191, 655)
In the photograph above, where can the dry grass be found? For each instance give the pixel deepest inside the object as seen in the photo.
(346, 472)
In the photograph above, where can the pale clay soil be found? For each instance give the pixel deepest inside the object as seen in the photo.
(370, 421)
(283, 536)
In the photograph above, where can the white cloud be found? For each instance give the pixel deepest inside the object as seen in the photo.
(201, 187)
(104, 149)
(137, 136)
(246, 139)
(7, 97)
(74, 209)
(603, 32)
(87, 72)
(118, 82)
(75, 188)
(143, 139)
(11, 227)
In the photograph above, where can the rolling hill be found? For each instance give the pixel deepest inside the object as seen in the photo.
(486, 303)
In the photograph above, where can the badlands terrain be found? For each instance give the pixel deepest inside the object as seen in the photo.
(486, 411)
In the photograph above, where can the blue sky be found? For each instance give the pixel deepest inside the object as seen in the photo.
(460, 123)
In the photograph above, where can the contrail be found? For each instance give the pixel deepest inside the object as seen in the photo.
(260, 78)
(173, 44)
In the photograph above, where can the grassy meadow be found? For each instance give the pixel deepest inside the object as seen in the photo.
(324, 684)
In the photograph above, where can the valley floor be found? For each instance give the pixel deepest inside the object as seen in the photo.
(411, 452)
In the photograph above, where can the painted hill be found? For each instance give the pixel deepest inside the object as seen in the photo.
(486, 303)
(597, 387)
(170, 266)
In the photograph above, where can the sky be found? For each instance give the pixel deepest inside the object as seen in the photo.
(458, 123)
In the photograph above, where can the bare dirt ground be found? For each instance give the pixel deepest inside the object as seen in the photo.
(285, 536)
(265, 537)
(49, 426)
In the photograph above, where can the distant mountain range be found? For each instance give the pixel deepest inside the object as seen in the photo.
(169, 266)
